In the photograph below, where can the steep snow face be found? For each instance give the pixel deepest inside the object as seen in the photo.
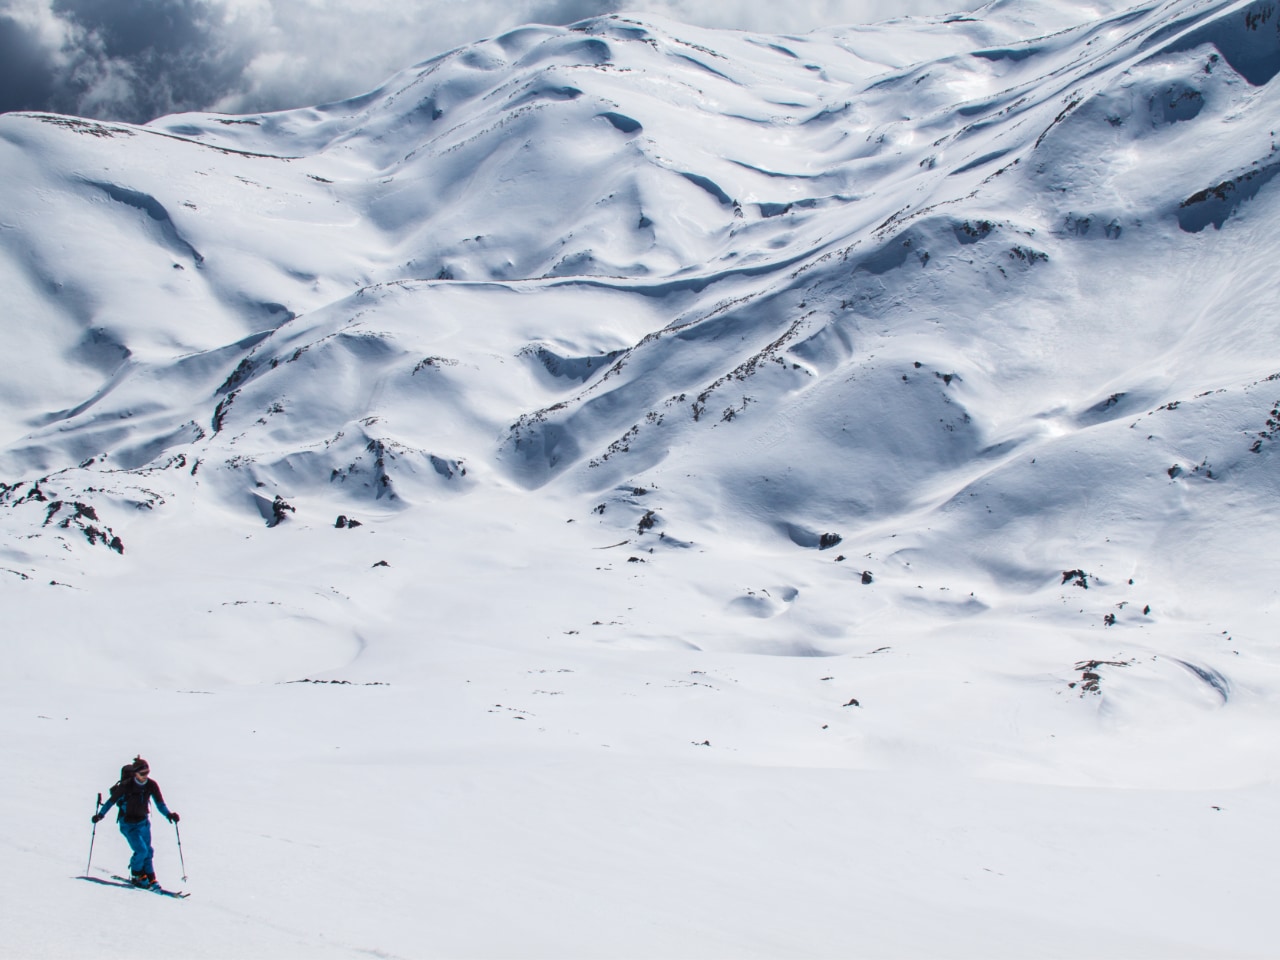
(957, 281)
(624, 252)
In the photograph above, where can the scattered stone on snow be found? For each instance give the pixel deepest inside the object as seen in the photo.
(1077, 577)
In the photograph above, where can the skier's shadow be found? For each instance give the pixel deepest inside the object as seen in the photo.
(106, 883)
(121, 882)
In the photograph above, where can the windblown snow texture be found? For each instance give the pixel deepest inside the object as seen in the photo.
(933, 360)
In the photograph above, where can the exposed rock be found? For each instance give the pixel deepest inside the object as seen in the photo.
(280, 508)
(1090, 678)
(1078, 577)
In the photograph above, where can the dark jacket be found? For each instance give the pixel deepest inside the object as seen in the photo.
(134, 800)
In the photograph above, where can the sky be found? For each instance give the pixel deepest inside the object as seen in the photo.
(134, 60)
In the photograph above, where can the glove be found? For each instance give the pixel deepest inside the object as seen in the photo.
(97, 817)
(174, 818)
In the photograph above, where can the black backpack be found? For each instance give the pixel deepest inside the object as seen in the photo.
(119, 787)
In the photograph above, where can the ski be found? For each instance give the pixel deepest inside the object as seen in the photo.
(126, 882)
(122, 882)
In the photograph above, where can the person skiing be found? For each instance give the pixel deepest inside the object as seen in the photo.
(133, 795)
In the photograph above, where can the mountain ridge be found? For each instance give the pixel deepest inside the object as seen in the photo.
(888, 309)
(718, 494)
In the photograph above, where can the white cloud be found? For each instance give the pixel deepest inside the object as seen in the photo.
(795, 16)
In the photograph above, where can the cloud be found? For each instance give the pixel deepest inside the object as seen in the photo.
(124, 59)
(30, 43)
(138, 59)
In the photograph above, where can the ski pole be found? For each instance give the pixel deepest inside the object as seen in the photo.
(181, 860)
(93, 836)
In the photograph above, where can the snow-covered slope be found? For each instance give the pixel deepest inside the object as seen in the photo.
(938, 349)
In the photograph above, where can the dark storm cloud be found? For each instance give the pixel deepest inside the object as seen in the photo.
(137, 59)
(131, 28)
(122, 59)
(27, 77)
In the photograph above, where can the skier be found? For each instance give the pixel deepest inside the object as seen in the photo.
(133, 795)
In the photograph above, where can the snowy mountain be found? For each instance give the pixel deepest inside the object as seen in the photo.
(730, 424)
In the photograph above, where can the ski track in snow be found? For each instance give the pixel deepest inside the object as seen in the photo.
(638, 490)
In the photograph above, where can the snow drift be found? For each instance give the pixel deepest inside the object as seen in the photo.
(937, 350)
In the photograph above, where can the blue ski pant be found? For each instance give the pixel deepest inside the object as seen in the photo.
(139, 837)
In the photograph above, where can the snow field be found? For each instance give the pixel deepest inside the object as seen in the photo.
(813, 497)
